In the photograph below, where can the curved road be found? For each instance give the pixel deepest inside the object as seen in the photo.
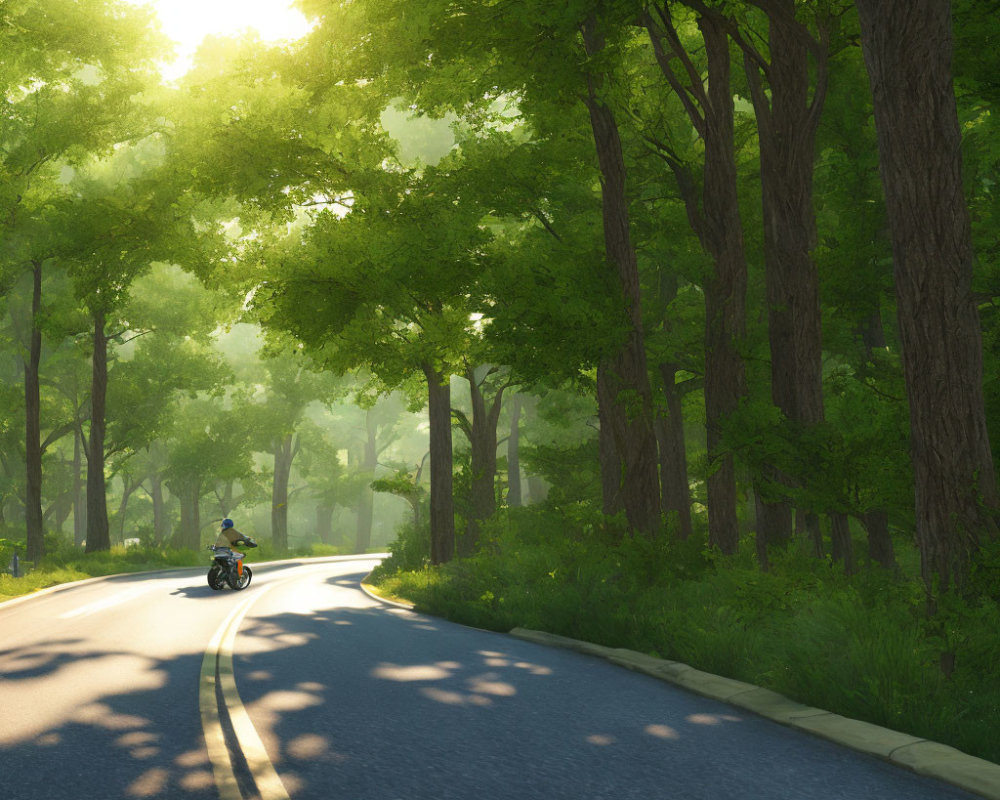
(304, 687)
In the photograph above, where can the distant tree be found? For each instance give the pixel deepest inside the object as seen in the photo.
(487, 385)
(127, 214)
(66, 97)
(714, 212)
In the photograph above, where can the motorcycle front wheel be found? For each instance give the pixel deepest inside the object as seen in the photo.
(237, 581)
(216, 577)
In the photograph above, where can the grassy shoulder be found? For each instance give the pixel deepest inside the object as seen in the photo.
(861, 646)
(67, 564)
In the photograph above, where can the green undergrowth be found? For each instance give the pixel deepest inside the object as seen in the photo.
(66, 563)
(862, 646)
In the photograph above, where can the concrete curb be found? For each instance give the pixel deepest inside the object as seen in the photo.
(370, 590)
(919, 755)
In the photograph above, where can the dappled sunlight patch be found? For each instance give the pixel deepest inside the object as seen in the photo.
(448, 664)
(48, 740)
(496, 662)
(343, 622)
(455, 698)
(490, 684)
(662, 732)
(198, 780)
(268, 638)
(101, 715)
(711, 719)
(312, 747)
(136, 739)
(149, 784)
(534, 669)
(424, 627)
(292, 783)
(259, 675)
(288, 701)
(414, 672)
(192, 758)
(600, 739)
(310, 686)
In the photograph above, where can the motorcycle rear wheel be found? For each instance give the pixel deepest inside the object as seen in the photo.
(216, 577)
(237, 581)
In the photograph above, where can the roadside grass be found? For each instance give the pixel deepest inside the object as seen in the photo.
(67, 563)
(861, 646)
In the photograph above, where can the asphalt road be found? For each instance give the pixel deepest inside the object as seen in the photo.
(304, 687)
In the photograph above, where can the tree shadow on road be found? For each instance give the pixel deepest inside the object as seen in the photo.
(380, 702)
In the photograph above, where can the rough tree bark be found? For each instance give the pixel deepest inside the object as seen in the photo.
(366, 503)
(716, 221)
(626, 373)
(788, 112)
(514, 454)
(160, 532)
(188, 535)
(79, 497)
(842, 546)
(98, 535)
(442, 501)
(907, 47)
(284, 454)
(609, 456)
(33, 430)
(324, 522)
(676, 493)
(482, 434)
(880, 549)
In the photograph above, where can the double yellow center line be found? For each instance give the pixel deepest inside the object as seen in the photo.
(217, 672)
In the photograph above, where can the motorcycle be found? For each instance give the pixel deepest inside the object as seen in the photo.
(228, 567)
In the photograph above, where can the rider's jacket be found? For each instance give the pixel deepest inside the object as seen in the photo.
(228, 537)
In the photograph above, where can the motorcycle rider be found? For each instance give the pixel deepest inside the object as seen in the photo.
(228, 536)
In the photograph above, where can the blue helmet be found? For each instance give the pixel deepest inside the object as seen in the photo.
(227, 523)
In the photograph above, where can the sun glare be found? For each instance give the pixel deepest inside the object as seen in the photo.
(187, 22)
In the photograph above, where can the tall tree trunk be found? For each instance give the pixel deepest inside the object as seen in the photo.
(716, 221)
(442, 494)
(907, 47)
(483, 441)
(189, 533)
(609, 457)
(626, 374)
(33, 431)
(160, 532)
(514, 454)
(79, 498)
(128, 489)
(725, 292)
(284, 453)
(676, 493)
(880, 549)
(787, 120)
(324, 522)
(842, 547)
(98, 535)
(366, 503)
